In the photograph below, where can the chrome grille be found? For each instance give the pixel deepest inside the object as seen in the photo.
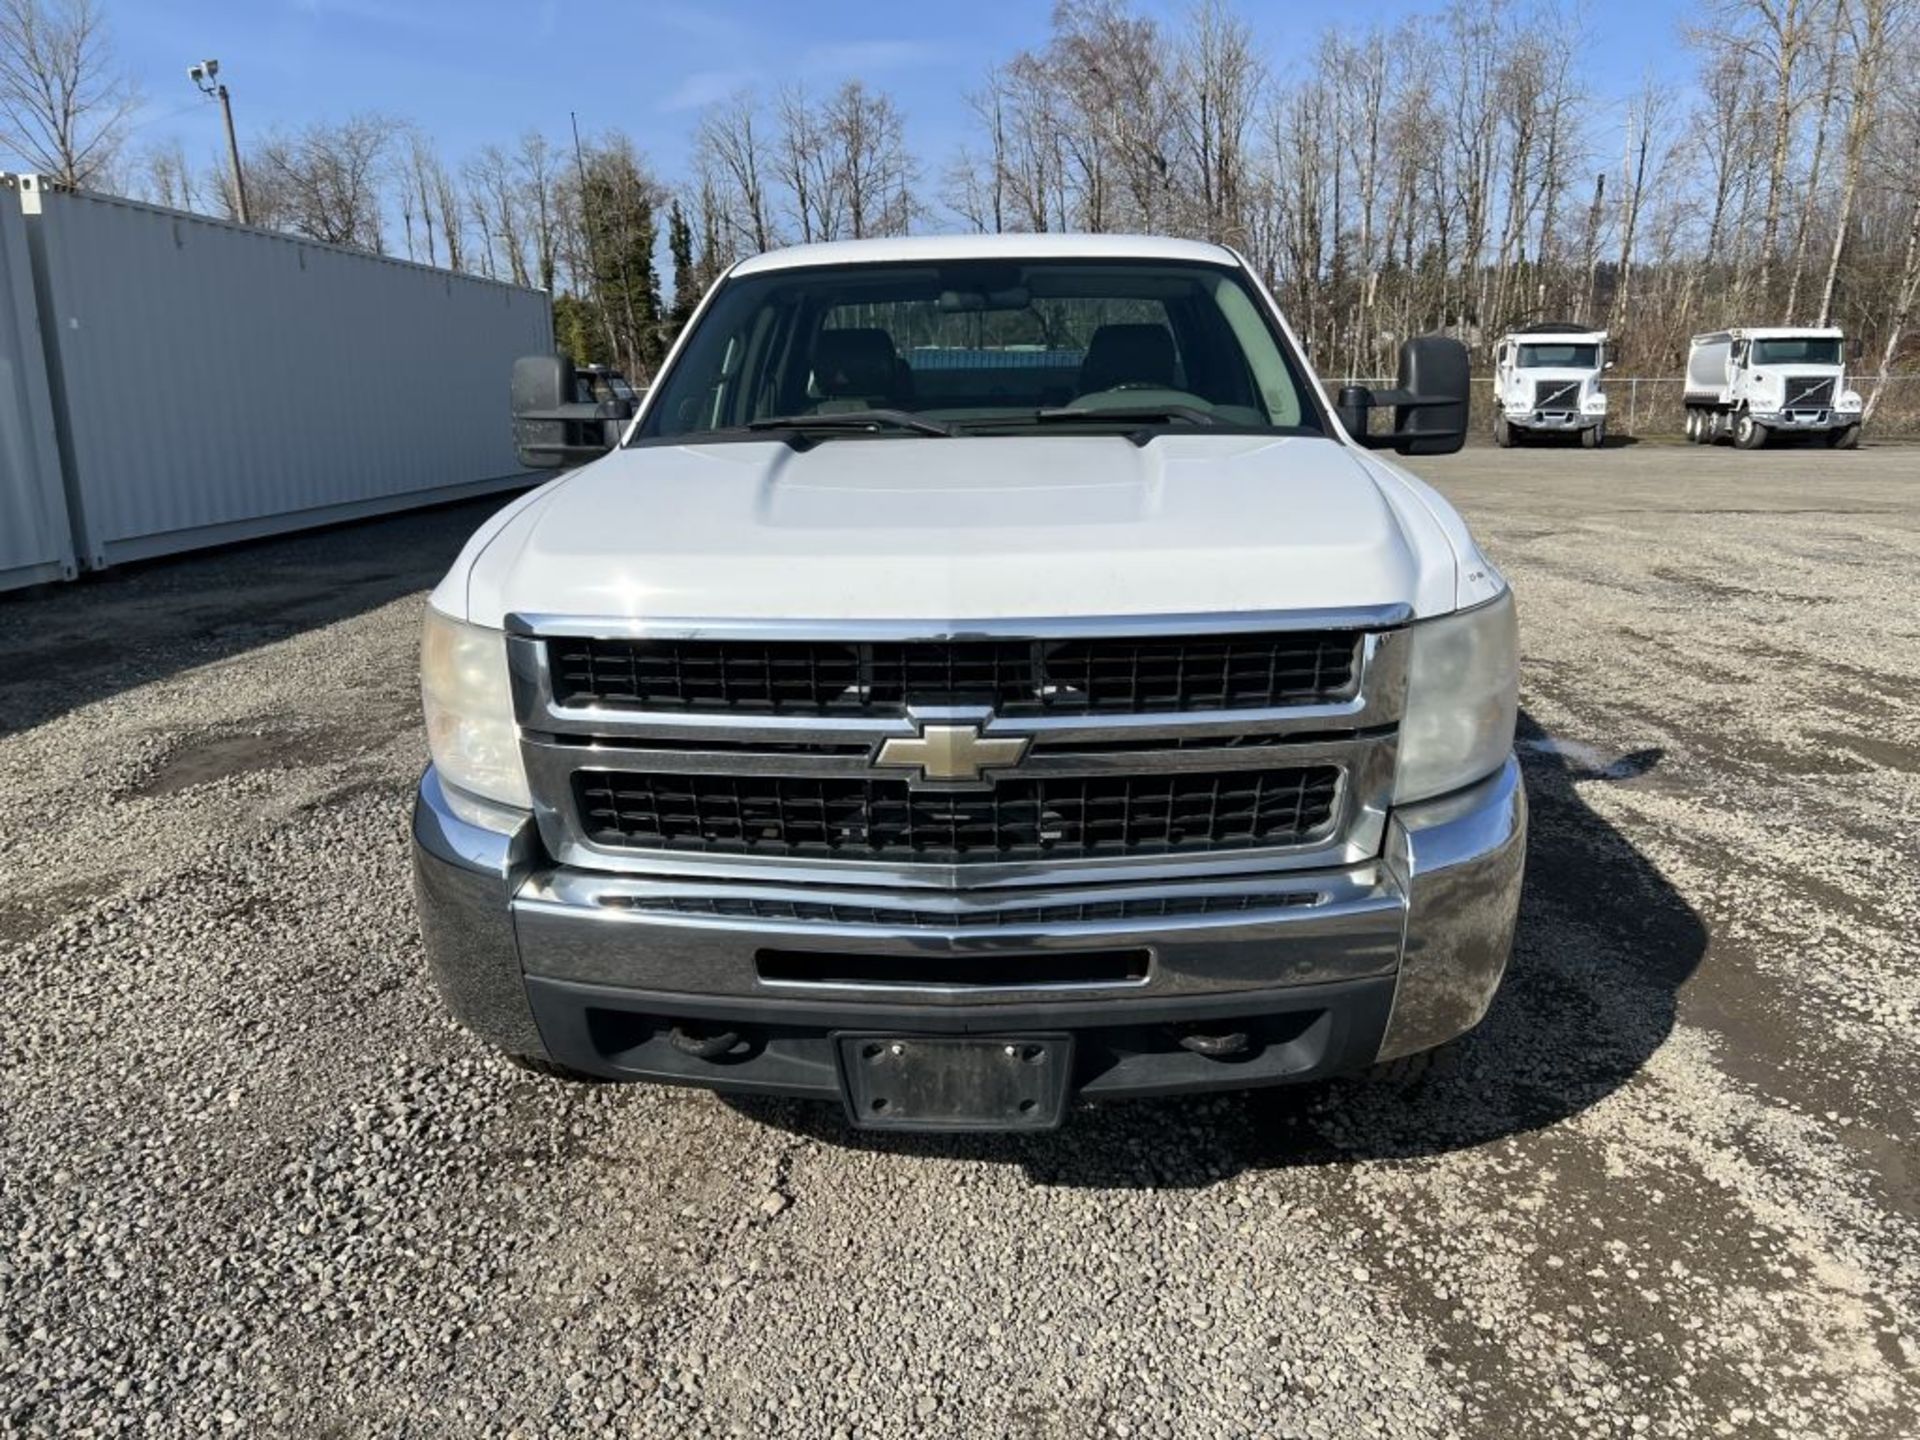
(1055, 817)
(1117, 675)
(733, 750)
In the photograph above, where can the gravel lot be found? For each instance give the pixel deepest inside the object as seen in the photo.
(251, 1182)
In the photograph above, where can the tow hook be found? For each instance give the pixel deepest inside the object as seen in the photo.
(703, 1047)
(1216, 1047)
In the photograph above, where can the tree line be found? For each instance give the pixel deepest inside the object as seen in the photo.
(1456, 171)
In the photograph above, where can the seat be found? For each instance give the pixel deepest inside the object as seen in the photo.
(856, 369)
(1140, 355)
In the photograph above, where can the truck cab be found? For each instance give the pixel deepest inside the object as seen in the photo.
(1750, 385)
(989, 674)
(1546, 381)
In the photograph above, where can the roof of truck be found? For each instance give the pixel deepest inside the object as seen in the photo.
(1773, 332)
(1533, 334)
(925, 249)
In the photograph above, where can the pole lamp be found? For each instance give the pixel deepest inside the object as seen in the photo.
(206, 76)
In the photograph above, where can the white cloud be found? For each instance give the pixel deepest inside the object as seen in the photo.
(864, 57)
(699, 88)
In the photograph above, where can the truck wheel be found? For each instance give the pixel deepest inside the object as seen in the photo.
(1694, 428)
(552, 1069)
(1749, 433)
(1846, 439)
(1593, 437)
(1502, 435)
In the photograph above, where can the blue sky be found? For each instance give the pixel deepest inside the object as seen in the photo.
(470, 71)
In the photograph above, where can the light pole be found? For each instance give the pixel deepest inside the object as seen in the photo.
(204, 75)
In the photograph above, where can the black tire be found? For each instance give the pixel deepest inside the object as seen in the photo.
(1695, 430)
(1748, 433)
(1847, 439)
(553, 1069)
(1593, 437)
(1502, 432)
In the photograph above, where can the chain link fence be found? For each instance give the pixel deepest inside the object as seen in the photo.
(1653, 406)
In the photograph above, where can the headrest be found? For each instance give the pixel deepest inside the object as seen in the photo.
(854, 362)
(1123, 354)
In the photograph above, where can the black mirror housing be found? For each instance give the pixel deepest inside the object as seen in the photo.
(1429, 406)
(551, 430)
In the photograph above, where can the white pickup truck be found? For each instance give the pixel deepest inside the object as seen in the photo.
(987, 673)
(1546, 381)
(1753, 384)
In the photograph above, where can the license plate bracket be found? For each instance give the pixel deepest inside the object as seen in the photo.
(955, 1082)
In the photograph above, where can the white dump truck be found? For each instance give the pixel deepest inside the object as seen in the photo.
(1749, 384)
(1546, 379)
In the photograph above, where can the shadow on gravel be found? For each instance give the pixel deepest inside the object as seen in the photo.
(1603, 948)
(72, 644)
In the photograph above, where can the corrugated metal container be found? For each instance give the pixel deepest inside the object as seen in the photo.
(36, 543)
(213, 382)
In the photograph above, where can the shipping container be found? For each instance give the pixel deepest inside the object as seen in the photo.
(213, 382)
(36, 542)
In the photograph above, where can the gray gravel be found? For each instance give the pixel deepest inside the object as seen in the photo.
(251, 1182)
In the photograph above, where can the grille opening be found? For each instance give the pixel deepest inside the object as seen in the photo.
(1015, 677)
(987, 971)
(1057, 817)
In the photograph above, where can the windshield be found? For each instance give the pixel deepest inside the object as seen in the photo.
(1559, 355)
(1804, 351)
(984, 347)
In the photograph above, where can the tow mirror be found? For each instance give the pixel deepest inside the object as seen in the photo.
(1855, 349)
(1429, 406)
(551, 429)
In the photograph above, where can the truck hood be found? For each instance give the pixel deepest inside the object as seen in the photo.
(970, 529)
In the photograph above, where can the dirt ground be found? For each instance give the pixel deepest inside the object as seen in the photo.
(251, 1182)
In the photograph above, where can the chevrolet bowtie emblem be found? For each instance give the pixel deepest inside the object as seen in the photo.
(951, 753)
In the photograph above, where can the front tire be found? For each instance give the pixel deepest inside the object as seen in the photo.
(1749, 433)
(1693, 427)
(1593, 437)
(1845, 439)
(1502, 432)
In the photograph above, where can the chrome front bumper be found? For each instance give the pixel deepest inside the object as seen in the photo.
(1360, 962)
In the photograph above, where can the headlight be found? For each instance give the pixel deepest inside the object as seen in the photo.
(1595, 404)
(1463, 689)
(1850, 400)
(469, 705)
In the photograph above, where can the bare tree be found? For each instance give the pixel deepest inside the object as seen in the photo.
(1874, 26)
(494, 202)
(729, 154)
(64, 107)
(1216, 90)
(865, 138)
(326, 181)
(1777, 33)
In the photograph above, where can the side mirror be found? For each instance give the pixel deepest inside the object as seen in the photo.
(1429, 407)
(552, 430)
(1609, 364)
(1855, 349)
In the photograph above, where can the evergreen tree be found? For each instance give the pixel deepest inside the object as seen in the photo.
(622, 231)
(686, 282)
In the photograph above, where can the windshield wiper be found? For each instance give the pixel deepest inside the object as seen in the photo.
(855, 420)
(1126, 415)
